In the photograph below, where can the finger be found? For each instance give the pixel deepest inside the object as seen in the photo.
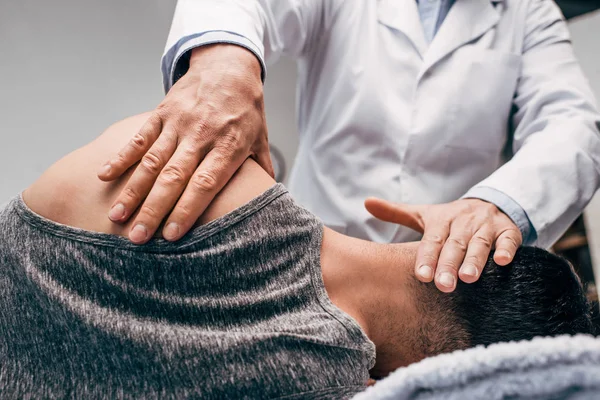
(451, 257)
(133, 151)
(429, 250)
(263, 158)
(507, 245)
(214, 172)
(477, 255)
(141, 181)
(164, 194)
(402, 214)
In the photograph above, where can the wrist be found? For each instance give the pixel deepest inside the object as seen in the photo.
(223, 57)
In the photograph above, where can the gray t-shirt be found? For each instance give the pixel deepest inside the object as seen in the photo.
(236, 309)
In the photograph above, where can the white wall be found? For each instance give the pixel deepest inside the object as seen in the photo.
(68, 69)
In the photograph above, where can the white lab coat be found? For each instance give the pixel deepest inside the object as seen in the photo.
(382, 113)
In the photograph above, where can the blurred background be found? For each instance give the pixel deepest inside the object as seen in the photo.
(68, 69)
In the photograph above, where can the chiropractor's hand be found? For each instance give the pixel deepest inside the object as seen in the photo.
(211, 120)
(457, 237)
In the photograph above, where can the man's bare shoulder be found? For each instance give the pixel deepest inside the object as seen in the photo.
(69, 192)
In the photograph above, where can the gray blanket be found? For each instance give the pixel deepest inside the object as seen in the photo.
(564, 367)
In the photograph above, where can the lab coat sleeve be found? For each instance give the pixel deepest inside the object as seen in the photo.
(555, 170)
(509, 207)
(268, 28)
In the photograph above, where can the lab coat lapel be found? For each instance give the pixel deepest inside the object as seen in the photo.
(403, 16)
(466, 21)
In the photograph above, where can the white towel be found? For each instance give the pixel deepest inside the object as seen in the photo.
(563, 367)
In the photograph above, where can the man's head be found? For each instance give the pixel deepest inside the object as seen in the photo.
(538, 294)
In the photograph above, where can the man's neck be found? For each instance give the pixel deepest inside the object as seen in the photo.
(373, 284)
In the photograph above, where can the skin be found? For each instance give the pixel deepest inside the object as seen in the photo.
(457, 237)
(213, 119)
(373, 283)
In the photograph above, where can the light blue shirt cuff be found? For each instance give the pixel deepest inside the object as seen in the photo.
(509, 207)
(176, 60)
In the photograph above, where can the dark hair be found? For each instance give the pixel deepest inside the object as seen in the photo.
(537, 294)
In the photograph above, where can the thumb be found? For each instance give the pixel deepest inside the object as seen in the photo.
(402, 214)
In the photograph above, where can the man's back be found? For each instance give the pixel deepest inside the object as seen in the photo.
(235, 309)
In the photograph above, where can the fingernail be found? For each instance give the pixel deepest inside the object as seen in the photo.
(503, 253)
(105, 169)
(469, 270)
(171, 231)
(447, 279)
(138, 234)
(117, 212)
(425, 272)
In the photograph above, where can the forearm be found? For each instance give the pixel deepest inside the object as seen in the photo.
(267, 28)
(556, 141)
(552, 177)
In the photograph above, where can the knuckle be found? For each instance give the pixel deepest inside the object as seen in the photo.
(473, 260)
(231, 142)
(204, 182)
(161, 111)
(465, 208)
(152, 163)
(150, 213)
(120, 158)
(482, 240)
(156, 116)
(232, 147)
(428, 257)
(433, 238)
(182, 117)
(449, 265)
(232, 120)
(510, 239)
(130, 195)
(457, 242)
(237, 152)
(428, 260)
(173, 175)
(138, 141)
(199, 126)
(182, 213)
(200, 132)
(190, 153)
